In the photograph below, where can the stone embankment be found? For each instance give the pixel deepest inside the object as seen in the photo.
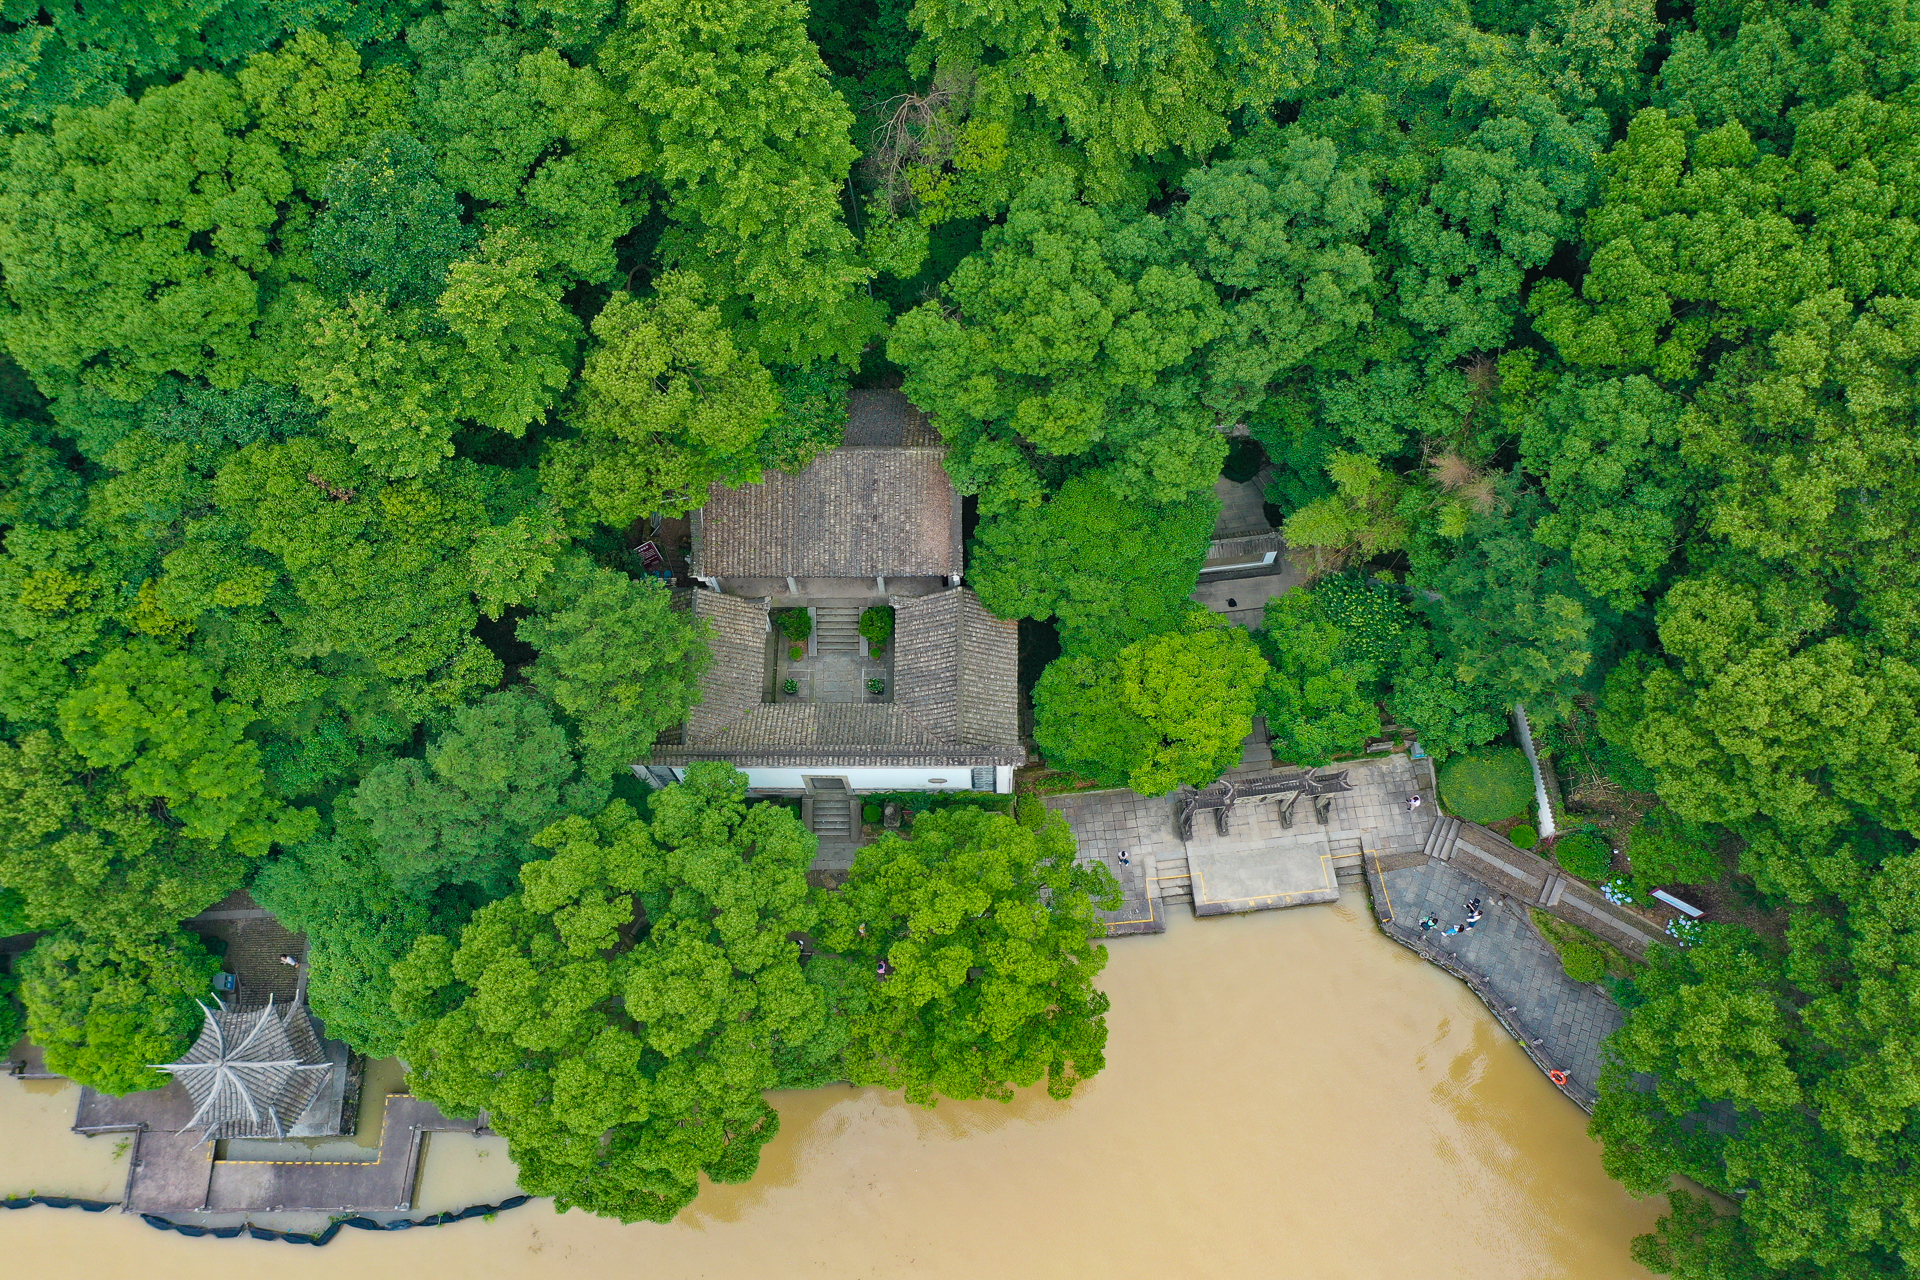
(1415, 862)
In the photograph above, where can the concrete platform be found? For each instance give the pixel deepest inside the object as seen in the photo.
(1260, 866)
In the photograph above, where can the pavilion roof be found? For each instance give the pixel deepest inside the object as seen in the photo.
(251, 1073)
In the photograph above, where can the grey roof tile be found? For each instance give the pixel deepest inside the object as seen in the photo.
(734, 680)
(856, 512)
(956, 695)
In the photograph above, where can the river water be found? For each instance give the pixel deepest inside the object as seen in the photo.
(1287, 1095)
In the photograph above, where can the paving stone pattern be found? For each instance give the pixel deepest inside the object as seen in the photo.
(1509, 965)
(1104, 823)
(1242, 506)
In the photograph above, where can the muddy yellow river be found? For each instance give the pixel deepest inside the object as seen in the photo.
(1287, 1096)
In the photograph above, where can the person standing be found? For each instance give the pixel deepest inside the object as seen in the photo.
(1413, 802)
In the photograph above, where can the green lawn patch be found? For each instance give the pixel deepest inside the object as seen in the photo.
(1489, 785)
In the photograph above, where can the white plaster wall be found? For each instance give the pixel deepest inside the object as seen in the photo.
(956, 777)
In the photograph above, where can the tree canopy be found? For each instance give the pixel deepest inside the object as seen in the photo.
(351, 348)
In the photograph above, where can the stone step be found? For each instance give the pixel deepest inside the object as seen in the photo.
(832, 816)
(836, 629)
(1440, 839)
(1178, 897)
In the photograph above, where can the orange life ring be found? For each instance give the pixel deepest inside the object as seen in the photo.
(1558, 1077)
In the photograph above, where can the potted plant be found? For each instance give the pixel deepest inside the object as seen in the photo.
(795, 652)
(876, 625)
(876, 687)
(790, 688)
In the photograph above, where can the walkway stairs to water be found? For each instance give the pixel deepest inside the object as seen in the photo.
(1349, 864)
(1173, 878)
(836, 629)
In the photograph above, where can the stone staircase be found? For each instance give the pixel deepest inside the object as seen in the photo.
(1441, 838)
(830, 816)
(1173, 878)
(836, 629)
(1349, 867)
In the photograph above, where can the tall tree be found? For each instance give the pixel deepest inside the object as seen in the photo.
(619, 1017)
(976, 943)
(104, 1010)
(1110, 571)
(1073, 334)
(502, 772)
(616, 657)
(1167, 710)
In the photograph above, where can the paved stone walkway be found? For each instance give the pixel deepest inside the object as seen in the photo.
(1104, 823)
(1505, 962)
(1258, 864)
(1242, 506)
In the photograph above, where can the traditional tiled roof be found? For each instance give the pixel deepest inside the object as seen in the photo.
(733, 682)
(856, 512)
(251, 1074)
(957, 668)
(956, 700)
(886, 418)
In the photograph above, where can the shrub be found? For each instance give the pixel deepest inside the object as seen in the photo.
(795, 624)
(790, 687)
(1524, 836)
(869, 813)
(876, 624)
(1030, 809)
(796, 652)
(1668, 849)
(1489, 785)
(1244, 461)
(876, 687)
(1583, 964)
(1372, 616)
(1584, 855)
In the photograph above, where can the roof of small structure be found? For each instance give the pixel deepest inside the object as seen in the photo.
(251, 1073)
(886, 418)
(881, 504)
(956, 696)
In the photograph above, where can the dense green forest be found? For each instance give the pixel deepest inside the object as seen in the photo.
(348, 340)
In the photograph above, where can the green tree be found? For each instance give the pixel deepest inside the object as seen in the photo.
(502, 772)
(1169, 710)
(78, 845)
(344, 565)
(987, 934)
(743, 129)
(151, 714)
(1364, 516)
(616, 658)
(389, 227)
(357, 923)
(104, 1009)
(1111, 571)
(1619, 488)
(1073, 333)
(620, 1016)
(667, 405)
(1510, 620)
(1315, 704)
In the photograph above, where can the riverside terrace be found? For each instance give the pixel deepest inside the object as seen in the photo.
(1232, 848)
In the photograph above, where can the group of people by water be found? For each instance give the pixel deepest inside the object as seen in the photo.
(1429, 922)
